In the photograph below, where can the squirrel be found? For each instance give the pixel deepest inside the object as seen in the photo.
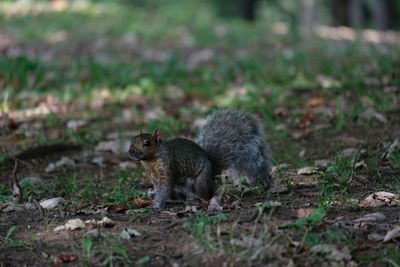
(230, 140)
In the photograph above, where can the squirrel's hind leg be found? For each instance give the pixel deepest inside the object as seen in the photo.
(204, 184)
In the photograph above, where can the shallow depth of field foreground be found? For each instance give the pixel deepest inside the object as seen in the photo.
(80, 78)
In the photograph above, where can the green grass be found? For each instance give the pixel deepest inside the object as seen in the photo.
(201, 228)
(273, 72)
(335, 184)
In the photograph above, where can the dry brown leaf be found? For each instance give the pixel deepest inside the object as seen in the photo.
(142, 203)
(307, 119)
(106, 222)
(64, 259)
(315, 102)
(381, 198)
(281, 112)
(304, 212)
(115, 208)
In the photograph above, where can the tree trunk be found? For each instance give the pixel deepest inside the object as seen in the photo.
(248, 9)
(380, 14)
(339, 12)
(355, 13)
(307, 15)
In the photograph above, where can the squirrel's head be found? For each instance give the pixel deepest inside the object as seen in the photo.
(144, 146)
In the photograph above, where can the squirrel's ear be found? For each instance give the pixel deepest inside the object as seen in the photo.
(156, 135)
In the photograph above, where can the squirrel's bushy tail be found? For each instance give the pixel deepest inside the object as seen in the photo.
(234, 141)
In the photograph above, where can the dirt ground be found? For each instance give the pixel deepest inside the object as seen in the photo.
(169, 237)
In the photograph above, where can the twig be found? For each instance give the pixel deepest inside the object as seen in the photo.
(40, 208)
(16, 190)
(299, 247)
(173, 224)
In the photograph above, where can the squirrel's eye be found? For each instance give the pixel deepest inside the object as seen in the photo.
(147, 143)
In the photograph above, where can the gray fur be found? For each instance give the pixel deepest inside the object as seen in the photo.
(230, 140)
(234, 141)
(184, 164)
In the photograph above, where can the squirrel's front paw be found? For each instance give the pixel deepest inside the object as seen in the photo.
(155, 208)
(157, 205)
(151, 192)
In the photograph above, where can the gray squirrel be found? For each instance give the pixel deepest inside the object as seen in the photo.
(230, 140)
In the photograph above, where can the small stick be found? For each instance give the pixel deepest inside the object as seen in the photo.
(16, 190)
(40, 208)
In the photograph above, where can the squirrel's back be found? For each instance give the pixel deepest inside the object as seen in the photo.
(234, 140)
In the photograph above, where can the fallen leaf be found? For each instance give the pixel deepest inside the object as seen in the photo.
(64, 259)
(307, 171)
(51, 203)
(128, 233)
(315, 102)
(307, 119)
(106, 222)
(304, 212)
(392, 234)
(115, 208)
(381, 198)
(73, 224)
(142, 203)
